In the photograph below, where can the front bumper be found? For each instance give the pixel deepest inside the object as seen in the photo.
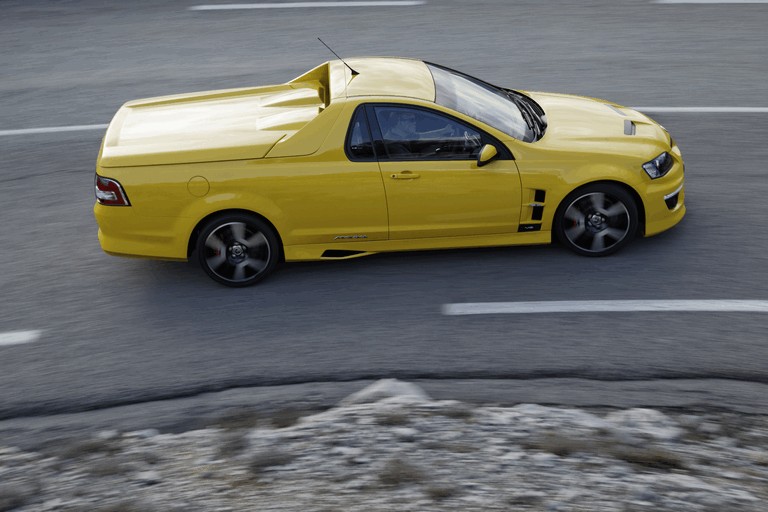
(665, 198)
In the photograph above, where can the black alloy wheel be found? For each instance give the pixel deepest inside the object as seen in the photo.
(238, 249)
(597, 220)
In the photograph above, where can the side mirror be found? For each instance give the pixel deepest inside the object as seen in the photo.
(487, 154)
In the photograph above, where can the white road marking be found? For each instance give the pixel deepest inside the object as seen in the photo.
(603, 306)
(54, 129)
(18, 337)
(711, 1)
(705, 110)
(308, 5)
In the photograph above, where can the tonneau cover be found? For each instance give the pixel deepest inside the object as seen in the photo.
(210, 126)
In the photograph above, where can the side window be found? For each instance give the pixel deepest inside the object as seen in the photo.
(359, 144)
(416, 134)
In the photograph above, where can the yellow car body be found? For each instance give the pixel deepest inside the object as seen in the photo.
(282, 153)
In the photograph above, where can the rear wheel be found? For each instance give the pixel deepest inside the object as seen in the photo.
(597, 220)
(237, 249)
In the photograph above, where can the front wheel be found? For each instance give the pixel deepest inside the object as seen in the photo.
(237, 249)
(597, 220)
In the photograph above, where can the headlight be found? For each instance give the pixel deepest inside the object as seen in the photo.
(659, 166)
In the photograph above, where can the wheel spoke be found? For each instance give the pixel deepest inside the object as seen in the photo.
(615, 210)
(598, 242)
(216, 243)
(238, 231)
(598, 201)
(256, 264)
(239, 272)
(217, 259)
(615, 233)
(575, 232)
(573, 214)
(256, 240)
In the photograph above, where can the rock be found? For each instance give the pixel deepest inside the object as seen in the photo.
(617, 471)
(512, 456)
(107, 435)
(741, 495)
(725, 442)
(142, 434)
(346, 451)
(544, 459)
(53, 504)
(386, 388)
(647, 495)
(527, 498)
(147, 477)
(684, 482)
(405, 433)
(646, 423)
(709, 428)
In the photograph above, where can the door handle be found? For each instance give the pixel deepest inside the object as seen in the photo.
(405, 175)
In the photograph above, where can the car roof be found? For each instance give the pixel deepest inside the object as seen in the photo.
(390, 76)
(381, 76)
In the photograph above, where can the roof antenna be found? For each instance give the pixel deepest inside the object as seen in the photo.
(354, 73)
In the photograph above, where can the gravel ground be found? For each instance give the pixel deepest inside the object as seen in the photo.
(390, 447)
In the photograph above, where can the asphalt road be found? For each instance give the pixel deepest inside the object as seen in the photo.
(120, 331)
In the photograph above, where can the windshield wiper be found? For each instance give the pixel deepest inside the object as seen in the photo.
(533, 109)
(536, 112)
(529, 115)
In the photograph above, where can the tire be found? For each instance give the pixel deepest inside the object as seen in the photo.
(597, 220)
(238, 249)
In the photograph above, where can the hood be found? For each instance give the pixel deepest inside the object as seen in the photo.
(233, 124)
(598, 125)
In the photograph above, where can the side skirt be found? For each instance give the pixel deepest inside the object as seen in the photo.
(347, 250)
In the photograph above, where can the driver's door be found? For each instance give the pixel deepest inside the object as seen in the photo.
(433, 184)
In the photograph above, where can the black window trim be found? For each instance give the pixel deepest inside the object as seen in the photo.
(348, 138)
(378, 139)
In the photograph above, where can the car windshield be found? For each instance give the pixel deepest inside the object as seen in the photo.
(480, 101)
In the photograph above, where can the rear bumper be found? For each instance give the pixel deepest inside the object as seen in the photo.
(123, 233)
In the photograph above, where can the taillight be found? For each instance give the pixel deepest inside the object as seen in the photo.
(110, 193)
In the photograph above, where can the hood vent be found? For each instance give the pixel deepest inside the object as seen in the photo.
(629, 127)
(615, 109)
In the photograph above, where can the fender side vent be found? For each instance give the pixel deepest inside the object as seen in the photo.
(538, 204)
(629, 127)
